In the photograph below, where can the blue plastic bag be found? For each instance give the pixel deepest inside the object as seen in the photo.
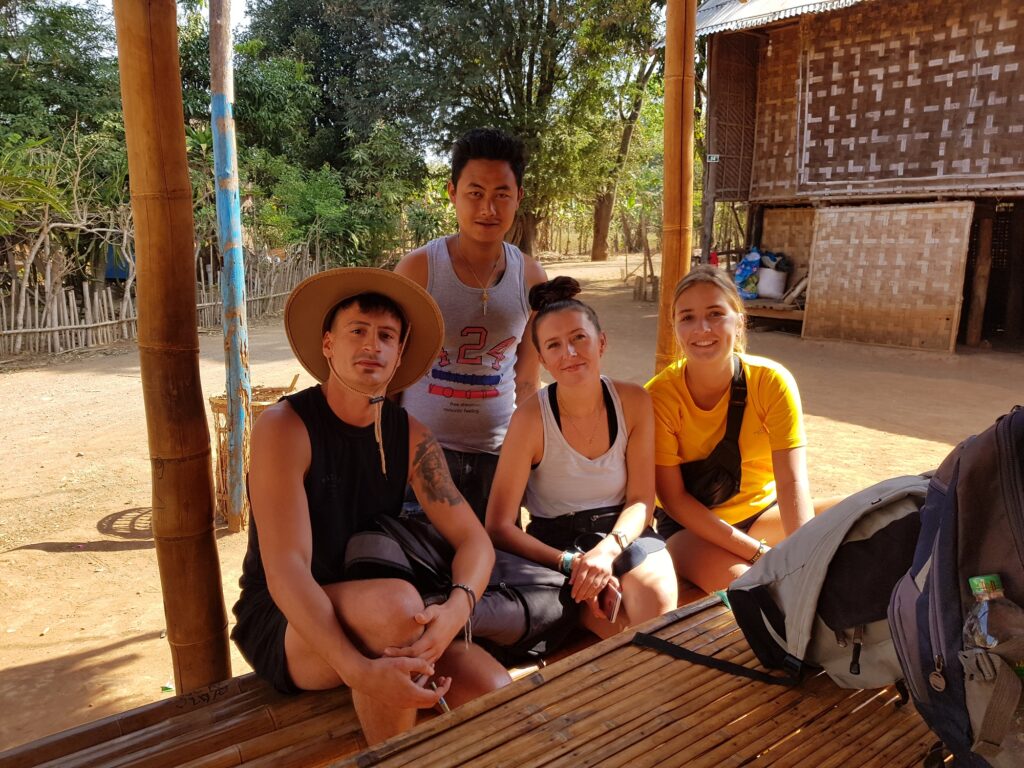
(746, 274)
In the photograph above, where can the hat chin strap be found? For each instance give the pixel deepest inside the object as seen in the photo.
(376, 399)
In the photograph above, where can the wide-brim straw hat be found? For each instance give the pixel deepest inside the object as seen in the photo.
(314, 297)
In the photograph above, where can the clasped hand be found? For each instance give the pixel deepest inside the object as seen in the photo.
(592, 570)
(441, 623)
(402, 674)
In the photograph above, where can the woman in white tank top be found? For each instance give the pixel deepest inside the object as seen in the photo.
(582, 450)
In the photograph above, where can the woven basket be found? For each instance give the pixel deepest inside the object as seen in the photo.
(262, 398)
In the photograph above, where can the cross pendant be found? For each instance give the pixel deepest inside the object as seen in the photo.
(483, 300)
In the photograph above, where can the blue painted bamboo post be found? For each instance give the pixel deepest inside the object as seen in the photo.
(229, 236)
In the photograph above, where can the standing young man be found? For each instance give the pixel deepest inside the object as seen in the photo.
(328, 461)
(487, 362)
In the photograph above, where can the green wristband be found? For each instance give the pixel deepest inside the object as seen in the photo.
(565, 566)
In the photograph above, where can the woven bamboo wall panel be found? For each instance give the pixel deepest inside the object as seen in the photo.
(774, 170)
(890, 274)
(913, 95)
(732, 110)
(789, 231)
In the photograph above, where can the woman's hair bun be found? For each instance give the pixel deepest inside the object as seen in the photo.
(559, 289)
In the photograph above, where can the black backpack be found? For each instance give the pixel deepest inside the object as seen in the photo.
(972, 523)
(525, 613)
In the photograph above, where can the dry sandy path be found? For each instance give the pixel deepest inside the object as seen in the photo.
(81, 616)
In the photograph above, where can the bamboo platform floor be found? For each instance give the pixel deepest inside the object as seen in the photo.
(610, 704)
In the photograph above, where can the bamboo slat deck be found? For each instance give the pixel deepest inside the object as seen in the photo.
(615, 704)
(612, 704)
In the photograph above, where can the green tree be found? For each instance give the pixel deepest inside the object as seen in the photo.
(274, 98)
(348, 49)
(634, 56)
(24, 181)
(639, 197)
(540, 70)
(57, 65)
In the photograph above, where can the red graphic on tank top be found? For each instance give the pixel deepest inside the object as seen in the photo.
(442, 359)
(469, 353)
(466, 356)
(463, 394)
(498, 351)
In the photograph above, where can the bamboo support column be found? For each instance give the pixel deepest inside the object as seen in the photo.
(179, 440)
(677, 218)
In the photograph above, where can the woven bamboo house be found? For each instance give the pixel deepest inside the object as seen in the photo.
(880, 145)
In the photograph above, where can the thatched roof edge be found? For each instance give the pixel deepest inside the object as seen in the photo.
(732, 15)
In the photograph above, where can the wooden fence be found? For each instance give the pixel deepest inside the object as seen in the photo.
(98, 314)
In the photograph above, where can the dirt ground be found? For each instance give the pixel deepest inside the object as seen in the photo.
(81, 618)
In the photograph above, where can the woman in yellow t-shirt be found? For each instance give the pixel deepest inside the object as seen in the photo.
(718, 524)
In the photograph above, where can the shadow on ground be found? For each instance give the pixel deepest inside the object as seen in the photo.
(133, 525)
(77, 680)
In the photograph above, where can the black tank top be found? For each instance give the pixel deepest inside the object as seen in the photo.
(345, 487)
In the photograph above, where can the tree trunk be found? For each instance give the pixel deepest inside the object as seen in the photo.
(603, 207)
(528, 232)
(629, 239)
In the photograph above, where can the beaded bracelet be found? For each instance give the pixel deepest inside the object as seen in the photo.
(468, 632)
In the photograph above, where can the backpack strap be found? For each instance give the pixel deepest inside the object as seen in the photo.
(755, 610)
(645, 640)
(997, 718)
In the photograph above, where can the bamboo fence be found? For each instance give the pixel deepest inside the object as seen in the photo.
(97, 315)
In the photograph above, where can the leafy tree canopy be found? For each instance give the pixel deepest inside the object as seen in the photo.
(57, 65)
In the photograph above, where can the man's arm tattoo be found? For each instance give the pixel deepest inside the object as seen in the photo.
(429, 463)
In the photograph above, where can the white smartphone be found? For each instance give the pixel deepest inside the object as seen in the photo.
(610, 600)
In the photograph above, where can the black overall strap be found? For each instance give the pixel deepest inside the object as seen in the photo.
(678, 652)
(737, 401)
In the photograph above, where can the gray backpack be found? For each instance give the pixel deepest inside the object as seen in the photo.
(819, 599)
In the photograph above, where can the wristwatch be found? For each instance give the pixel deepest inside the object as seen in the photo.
(762, 547)
(621, 538)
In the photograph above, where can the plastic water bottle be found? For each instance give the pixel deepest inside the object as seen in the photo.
(992, 620)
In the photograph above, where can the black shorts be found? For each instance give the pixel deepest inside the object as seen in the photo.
(567, 532)
(669, 527)
(259, 635)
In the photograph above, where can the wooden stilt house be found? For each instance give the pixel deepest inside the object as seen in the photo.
(880, 145)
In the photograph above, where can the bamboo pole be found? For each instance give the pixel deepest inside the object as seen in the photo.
(677, 217)
(179, 440)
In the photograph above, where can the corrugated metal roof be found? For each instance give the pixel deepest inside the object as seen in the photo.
(729, 15)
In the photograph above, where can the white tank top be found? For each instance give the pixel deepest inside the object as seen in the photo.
(467, 398)
(566, 481)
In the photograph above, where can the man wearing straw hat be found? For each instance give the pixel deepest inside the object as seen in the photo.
(325, 463)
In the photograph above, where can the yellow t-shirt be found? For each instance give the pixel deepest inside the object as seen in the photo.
(772, 421)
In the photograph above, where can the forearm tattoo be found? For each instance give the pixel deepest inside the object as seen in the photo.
(429, 463)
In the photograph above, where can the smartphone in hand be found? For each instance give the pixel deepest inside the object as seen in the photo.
(610, 600)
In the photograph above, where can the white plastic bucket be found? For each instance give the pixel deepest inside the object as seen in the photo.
(771, 283)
